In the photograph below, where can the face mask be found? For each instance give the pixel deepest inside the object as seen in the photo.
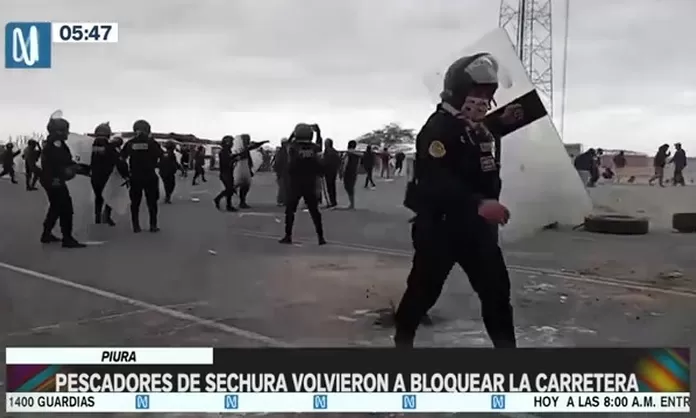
(475, 108)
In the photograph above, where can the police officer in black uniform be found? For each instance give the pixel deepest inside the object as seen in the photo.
(57, 168)
(105, 157)
(454, 194)
(31, 156)
(304, 169)
(143, 154)
(167, 170)
(226, 167)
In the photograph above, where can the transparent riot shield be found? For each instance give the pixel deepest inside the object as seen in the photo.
(540, 185)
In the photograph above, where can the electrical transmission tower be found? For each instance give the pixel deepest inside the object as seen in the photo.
(528, 23)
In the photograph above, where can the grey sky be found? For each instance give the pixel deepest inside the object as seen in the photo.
(259, 66)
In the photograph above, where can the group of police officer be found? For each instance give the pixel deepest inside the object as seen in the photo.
(454, 192)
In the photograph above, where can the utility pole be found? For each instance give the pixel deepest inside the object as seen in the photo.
(529, 25)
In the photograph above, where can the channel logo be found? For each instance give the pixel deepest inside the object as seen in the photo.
(28, 45)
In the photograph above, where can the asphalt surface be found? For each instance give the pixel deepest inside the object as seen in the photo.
(212, 278)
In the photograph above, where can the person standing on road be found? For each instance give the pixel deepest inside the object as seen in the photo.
(168, 167)
(304, 168)
(8, 162)
(399, 163)
(332, 164)
(454, 194)
(31, 156)
(185, 160)
(57, 168)
(199, 165)
(105, 157)
(384, 158)
(349, 171)
(659, 163)
(679, 160)
(368, 163)
(226, 165)
(619, 165)
(143, 155)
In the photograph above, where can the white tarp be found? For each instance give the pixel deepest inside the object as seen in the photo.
(540, 185)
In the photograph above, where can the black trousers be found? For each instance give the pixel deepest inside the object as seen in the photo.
(228, 189)
(98, 184)
(150, 187)
(330, 177)
(10, 171)
(169, 182)
(368, 177)
(437, 248)
(305, 189)
(31, 172)
(60, 208)
(198, 171)
(243, 192)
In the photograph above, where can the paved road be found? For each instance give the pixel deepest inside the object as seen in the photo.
(169, 289)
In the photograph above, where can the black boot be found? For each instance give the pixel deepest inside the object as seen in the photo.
(72, 243)
(66, 228)
(153, 220)
(47, 237)
(107, 216)
(289, 222)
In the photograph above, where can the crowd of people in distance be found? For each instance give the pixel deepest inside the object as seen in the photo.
(591, 168)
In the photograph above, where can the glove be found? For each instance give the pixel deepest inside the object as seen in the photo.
(494, 212)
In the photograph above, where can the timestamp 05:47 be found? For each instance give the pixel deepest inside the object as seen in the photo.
(84, 32)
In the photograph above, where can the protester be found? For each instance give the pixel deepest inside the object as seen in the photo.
(331, 162)
(659, 163)
(619, 165)
(384, 159)
(679, 161)
(368, 163)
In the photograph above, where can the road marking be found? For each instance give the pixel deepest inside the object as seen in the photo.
(98, 319)
(228, 329)
(594, 279)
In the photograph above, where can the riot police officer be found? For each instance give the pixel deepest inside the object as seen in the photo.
(143, 154)
(105, 156)
(167, 170)
(226, 167)
(57, 168)
(454, 193)
(304, 169)
(31, 156)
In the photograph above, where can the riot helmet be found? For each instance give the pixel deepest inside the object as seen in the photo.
(470, 84)
(227, 140)
(58, 127)
(142, 128)
(303, 132)
(103, 130)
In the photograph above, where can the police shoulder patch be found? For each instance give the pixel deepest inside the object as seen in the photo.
(437, 149)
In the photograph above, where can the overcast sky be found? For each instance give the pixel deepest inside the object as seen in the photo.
(259, 66)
